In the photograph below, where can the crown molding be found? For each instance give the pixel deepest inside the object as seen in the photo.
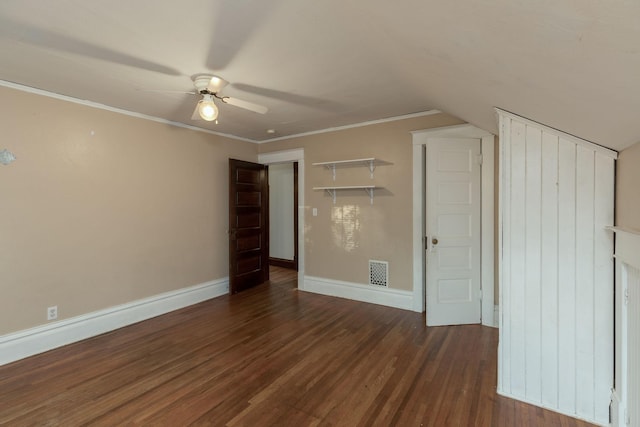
(352, 126)
(122, 111)
(129, 113)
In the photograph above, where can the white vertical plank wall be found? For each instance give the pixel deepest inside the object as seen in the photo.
(566, 275)
(603, 272)
(533, 266)
(556, 270)
(549, 270)
(631, 415)
(626, 396)
(633, 348)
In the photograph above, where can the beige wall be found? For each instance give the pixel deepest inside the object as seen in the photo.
(101, 209)
(628, 188)
(341, 240)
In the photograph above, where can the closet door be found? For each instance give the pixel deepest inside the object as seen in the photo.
(556, 270)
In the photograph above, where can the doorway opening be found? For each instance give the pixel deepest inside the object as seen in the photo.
(293, 156)
(283, 209)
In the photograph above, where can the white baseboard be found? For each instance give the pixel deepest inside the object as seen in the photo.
(21, 344)
(365, 293)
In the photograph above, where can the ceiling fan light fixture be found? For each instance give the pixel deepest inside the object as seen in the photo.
(207, 109)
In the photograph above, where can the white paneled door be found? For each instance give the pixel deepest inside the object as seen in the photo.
(453, 242)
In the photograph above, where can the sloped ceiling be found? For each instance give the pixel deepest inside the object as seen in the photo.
(572, 65)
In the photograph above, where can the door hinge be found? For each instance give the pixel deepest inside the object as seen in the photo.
(480, 159)
(626, 296)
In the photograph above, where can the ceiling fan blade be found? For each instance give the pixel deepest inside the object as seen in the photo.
(196, 114)
(168, 91)
(245, 104)
(293, 98)
(234, 25)
(52, 40)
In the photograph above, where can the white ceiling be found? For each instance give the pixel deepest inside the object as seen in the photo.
(570, 64)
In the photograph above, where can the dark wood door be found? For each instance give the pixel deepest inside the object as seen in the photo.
(248, 225)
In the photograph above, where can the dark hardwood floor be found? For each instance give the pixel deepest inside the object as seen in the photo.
(270, 356)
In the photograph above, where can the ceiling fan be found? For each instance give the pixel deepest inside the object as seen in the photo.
(210, 86)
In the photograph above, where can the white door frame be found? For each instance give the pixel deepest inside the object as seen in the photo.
(285, 156)
(420, 139)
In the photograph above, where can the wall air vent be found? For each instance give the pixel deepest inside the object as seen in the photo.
(378, 273)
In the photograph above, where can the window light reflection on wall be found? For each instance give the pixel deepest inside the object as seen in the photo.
(346, 227)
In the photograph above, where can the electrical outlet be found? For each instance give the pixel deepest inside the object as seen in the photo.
(52, 313)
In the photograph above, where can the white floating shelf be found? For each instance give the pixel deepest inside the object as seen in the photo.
(369, 162)
(332, 191)
(618, 229)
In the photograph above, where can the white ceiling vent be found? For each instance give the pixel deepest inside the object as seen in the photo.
(378, 273)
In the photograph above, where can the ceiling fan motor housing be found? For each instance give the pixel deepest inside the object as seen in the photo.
(209, 84)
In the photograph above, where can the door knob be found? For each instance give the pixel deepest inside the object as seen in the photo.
(434, 241)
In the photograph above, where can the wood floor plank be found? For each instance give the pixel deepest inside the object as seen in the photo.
(270, 356)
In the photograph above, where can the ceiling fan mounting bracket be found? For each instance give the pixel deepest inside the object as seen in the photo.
(214, 94)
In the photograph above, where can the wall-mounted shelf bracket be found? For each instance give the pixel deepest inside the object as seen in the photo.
(333, 191)
(372, 167)
(370, 192)
(332, 168)
(370, 163)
